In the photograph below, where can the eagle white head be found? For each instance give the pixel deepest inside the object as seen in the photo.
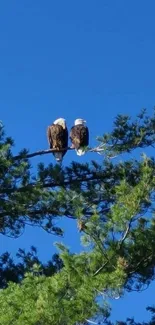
(79, 121)
(60, 121)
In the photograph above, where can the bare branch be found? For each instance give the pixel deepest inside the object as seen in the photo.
(47, 151)
(101, 268)
(125, 233)
(91, 322)
(39, 153)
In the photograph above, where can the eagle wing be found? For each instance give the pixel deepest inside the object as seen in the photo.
(84, 136)
(49, 136)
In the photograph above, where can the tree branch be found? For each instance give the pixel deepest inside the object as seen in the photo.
(39, 153)
(125, 233)
(47, 151)
(100, 269)
(36, 212)
(143, 260)
(100, 177)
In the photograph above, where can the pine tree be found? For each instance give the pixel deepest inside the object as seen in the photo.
(14, 272)
(113, 203)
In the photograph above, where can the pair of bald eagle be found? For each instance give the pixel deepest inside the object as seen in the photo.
(57, 134)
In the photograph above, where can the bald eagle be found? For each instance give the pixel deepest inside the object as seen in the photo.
(79, 136)
(57, 135)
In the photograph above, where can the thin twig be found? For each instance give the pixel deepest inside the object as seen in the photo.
(140, 290)
(143, 260)
(91, 322)
(100, 269)
(125, 233)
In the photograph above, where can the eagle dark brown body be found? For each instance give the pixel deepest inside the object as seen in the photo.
(79, 136)
(58, 138)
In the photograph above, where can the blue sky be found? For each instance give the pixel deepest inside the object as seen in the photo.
(90, 59)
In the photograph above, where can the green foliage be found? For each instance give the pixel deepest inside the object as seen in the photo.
(11, 271)
(113, 204)
(64, 298)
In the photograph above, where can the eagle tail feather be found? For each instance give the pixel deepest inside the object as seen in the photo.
(58, 156)
(80, 152)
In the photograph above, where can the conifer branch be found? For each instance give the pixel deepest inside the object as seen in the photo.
(53, 184)
(36, 212)
(141, 262)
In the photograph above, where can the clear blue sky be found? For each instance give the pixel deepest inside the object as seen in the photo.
(90, 59)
